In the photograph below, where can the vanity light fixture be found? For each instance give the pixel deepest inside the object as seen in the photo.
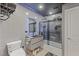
(27, 13)
(35, 17)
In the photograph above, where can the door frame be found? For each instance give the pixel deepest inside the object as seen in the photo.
(65, 7)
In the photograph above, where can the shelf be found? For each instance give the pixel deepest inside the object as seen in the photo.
(7, 6)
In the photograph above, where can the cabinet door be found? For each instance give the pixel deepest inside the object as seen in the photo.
(71, 41)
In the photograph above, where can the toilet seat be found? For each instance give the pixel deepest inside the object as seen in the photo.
(18, 52)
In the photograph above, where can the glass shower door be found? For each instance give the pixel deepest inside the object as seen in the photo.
(55, 38)
(43, 30)
(51, 32)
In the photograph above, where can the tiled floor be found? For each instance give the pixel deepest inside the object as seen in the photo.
(54, 44)
(51, 49)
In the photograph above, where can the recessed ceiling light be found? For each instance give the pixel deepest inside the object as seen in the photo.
(41, 6)
(27, 13)
(50, 12)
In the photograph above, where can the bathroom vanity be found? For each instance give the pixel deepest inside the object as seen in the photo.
(34, 45)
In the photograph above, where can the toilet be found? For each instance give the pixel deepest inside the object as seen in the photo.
(15, 49)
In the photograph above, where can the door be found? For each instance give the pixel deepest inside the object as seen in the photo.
(44, 30)
(71, 41)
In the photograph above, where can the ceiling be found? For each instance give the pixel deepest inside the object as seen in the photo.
(44, 9)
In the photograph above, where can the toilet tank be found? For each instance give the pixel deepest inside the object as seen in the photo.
(13, 46)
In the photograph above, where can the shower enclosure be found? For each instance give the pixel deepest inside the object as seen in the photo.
(51, 31)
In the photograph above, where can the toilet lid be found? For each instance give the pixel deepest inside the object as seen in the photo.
(18, 52)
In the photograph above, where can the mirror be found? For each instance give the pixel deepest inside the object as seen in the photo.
(32, 26)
